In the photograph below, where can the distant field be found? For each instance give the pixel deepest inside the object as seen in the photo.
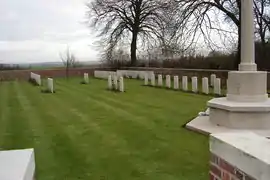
(86, 132)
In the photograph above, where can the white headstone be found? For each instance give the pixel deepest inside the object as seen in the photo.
(153, 79)
(50, 85)
(86, 78)
(205, 85)
(217, 86)
(121, 84)
(213, 78)
(168, 81)
(160, 80)
(115, 82)
(185, 83)
(146, 80)
(194, 84)
(110, 82)
(176, 82)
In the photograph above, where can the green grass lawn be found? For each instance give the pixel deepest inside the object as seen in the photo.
(86, 132)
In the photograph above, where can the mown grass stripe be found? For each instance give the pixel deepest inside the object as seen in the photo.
(4, 109)
(57, 140)
(72, 89)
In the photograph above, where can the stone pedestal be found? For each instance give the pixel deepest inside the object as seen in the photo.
(247, 86)
(246, 106)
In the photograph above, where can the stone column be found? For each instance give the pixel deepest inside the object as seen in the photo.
(247, 37)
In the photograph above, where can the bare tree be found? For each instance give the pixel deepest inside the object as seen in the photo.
(69, 60)
(197, 15)
(123, 19)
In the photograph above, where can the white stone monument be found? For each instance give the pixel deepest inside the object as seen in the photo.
(168, 81)
(50, 85)
(217, 86)
(146, 80)
(86, 78)
(212, 79)
(176, 82)
(17, 165)
(185, 83)
(205, 85)
(110, 82)
(247, 105)
(153, 79)
(160, 80)
(121, 84)
(194, 81)
(115, 82)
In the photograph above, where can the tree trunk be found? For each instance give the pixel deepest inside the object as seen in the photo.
(133, 49)
(238, 53)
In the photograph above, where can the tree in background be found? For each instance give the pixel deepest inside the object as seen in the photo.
(69, 60)
(197, 15)
(118, 20)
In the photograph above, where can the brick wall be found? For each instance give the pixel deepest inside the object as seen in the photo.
(25, 74)
(222, 170)
(241, 155)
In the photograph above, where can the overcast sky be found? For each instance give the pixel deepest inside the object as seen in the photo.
(38, 30)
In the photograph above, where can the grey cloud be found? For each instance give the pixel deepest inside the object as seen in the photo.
(46, 25)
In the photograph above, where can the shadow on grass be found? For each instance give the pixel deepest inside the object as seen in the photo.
(46, 91)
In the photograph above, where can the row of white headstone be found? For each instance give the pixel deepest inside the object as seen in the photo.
(36, 77)
(194, 82)
(116, 83)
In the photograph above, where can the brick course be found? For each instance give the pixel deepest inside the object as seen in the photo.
(222, 170)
